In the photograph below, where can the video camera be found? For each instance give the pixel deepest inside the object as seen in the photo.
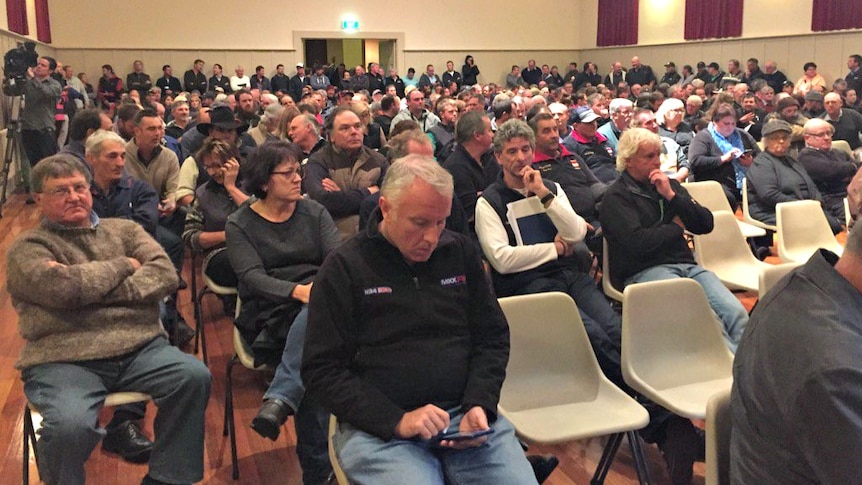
(16, 62)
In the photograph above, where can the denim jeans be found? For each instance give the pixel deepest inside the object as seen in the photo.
(368, 460)
(730, 312)
(311, 420)
(69, 395)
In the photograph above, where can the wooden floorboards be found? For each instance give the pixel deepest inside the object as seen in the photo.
(261, 461)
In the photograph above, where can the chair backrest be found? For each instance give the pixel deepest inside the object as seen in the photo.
(718, 430)
(551, 361)
(843, 146)
(747, 215)
(709, 194)
(340, 477)
(772, 274)
(671, 336)
(725, 246)
(607, 286)
(802, 230)
(242, 350)
(848, 216)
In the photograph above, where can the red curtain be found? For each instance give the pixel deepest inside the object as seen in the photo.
(43, 22)
(712, 19)
(16, 12)
(617, 23)
(836, 15)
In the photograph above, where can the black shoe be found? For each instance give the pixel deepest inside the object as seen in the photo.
(128, 441)
(543, 466)
(681, 448)
(272, 414)
(182, 283)
(183, 334)
(762, 253)
(29, 200)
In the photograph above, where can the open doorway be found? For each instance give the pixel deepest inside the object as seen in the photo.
(350, 52)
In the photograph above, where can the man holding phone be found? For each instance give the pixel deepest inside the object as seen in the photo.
(406, 342)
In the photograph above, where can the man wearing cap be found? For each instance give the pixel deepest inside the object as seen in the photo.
(168, 83)
(787, 109)
(847, 122)
(344, 171)
(138, 79)
(219, 81)
(592, 146)
(640, 74)
(297, 82)
(259, 80)
(194, 79)
(813, 107)
(280, 81)
(670, 77)
(715, 74)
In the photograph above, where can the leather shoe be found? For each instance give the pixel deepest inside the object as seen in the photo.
(271, 416)
(183, 334)
(543, 465)
(128, 441)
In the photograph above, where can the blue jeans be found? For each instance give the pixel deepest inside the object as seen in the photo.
(69, 395)
(730, 312)
(368, 460)
(311, 420)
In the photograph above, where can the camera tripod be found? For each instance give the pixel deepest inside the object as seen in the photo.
(13, 147)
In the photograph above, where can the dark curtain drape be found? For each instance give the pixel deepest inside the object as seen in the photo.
(16, 13)
(43, 22)
(712, 19)
(836, 15)
(617, 23)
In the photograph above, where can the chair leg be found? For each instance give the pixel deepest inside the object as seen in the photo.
(229, 428)
(199, 322)
(607, 459)
(28, 425)
(640, 459)
(195, 301)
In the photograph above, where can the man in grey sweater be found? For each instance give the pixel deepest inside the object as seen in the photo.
(86, 291)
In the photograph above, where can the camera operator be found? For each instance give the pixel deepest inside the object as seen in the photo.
(41, 93)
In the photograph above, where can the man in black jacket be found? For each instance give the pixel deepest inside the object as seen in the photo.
(406, 341)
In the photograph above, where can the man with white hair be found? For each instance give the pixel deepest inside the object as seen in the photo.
(621, 114)
(830, 168)
(240, 80)
(846, 122)
(265, 130)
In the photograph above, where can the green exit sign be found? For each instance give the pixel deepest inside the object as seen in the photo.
(349, 25)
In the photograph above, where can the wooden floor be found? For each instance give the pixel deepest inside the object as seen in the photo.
(261, 461)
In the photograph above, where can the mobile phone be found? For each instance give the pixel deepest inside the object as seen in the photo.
(459, 436)
(748, 151)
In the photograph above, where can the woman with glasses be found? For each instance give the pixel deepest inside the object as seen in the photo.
(214, 201)
(777, 177)
(276, 245)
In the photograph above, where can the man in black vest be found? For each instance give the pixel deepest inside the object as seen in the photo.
(547, 264)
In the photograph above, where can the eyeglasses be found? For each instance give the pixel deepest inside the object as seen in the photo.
(825, 134)
(65, 191)
(288, 173)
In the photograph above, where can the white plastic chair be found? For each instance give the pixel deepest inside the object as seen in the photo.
(245, 356)
(672, 349)
(710, 195)
(340, 477)
(747, 216)
(772, 275)
(554, 390)
(113, 399)
(724, 252)
(607, 286)
(848, 216)
(719, 426)
(802, 230)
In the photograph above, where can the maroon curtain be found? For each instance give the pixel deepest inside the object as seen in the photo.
(618, 23)
(43, 22)
(836, 15)
(16, 13)
(711, 19)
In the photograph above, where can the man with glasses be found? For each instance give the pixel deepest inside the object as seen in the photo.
(830, 169)
(416, 111)
(93, 328)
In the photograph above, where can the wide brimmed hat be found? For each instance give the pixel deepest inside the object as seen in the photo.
(222, 117)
